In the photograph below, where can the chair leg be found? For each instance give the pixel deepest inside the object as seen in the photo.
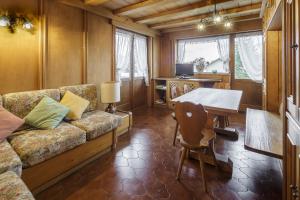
(175, 134)
(182, 157)
(203, 173)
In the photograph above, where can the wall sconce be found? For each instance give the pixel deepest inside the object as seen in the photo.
(12, 21)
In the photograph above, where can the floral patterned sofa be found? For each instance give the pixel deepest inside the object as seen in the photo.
(34, 148)
(13, 188)
(11, 185)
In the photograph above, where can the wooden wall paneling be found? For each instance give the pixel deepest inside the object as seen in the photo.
(99, 51)
(156, 56)
(65, 53)
(119, 21)
(150, 66)
(272, 71)
(19, 58)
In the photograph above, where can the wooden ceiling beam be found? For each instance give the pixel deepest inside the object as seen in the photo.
(197, 18)
(135, 6)
(95, 2)
(233, 19)
(116, 20)
(180, 9)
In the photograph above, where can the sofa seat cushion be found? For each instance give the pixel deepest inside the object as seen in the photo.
(97, 123)
(9, 160)
(36, 146)
(13, 188)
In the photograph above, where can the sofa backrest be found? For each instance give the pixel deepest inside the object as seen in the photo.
(87, 91)
(21, 103)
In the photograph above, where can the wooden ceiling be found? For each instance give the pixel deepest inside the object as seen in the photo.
(165, 15)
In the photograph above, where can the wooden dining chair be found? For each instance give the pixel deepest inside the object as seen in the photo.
(194, 136)
(176, 128)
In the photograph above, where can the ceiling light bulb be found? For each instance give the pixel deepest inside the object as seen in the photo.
(228, 24)
(201, 26)
(217, 18)
(4, 21)
(27, 25)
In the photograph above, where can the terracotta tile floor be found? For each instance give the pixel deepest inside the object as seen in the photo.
(145, 164)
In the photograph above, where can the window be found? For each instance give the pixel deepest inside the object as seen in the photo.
(131, 55)
(248, 56)
(207, 54)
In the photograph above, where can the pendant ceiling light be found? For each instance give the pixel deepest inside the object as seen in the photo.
(201, 26)
(217, 18)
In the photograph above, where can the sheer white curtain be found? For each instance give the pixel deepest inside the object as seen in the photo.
(140, 57)
(223, 50)
(123, 46)
(181, 51)
(250, 50)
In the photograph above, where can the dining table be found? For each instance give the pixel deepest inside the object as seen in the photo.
(220, 104)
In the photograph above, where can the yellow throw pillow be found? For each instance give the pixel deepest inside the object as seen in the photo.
(76, 104)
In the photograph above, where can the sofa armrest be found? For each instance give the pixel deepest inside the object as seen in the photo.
(9, 160)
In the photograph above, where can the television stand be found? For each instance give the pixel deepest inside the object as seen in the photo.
(184, 77)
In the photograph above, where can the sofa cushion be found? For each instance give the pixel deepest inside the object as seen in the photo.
(87, 91)
(36, 146)
(21, 103)
(13, 188)
(47, 114)
(8, 123)
(76, 104)
(9, 160)
(97, 123)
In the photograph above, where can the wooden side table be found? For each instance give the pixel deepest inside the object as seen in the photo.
(126, 123)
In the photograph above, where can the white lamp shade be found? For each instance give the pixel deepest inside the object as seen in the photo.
(110, 92)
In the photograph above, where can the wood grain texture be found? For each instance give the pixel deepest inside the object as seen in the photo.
(214, 100)
(95, 2)
(65, 45)
(135, 6)
(40, 174)
(99, 51)
(196, 18)
(184, 8)
(19, 57)
(264, 133)
(273, 71)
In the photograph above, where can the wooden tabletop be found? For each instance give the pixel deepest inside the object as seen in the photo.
(264, 133)
(214, 100)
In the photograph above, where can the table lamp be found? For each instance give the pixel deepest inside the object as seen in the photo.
(110, 93)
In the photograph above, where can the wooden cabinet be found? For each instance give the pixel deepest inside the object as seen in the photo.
(291, 75)
(165, 89)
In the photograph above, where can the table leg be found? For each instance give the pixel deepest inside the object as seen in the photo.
(223, 130)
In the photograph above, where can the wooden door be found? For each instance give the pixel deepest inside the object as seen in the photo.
(139, 96)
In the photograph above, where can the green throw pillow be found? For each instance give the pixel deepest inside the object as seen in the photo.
(47, 114)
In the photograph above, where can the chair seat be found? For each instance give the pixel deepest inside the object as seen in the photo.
(97, 123)
(9, 160)
(36, 146)
(13, 188)
(208, 135)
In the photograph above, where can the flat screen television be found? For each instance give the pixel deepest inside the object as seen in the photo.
(184, 69)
